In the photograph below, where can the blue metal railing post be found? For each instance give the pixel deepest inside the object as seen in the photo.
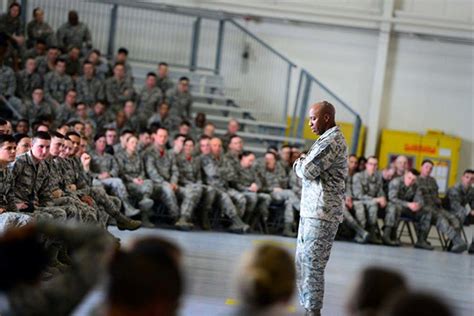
(24, 10)
(113, 30)
(287, 95)
(195, 44)
(304, 105)
(293, 123)
(355, 135)
(220, 42)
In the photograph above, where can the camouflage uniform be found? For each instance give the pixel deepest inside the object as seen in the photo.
(323, 172)
(26, 83)
(180, 103)
(365, 189)
(107, 163)
(399, 195)
(25, 172)
(295, 183)
(349, 220)
(460, 200)
(213, 175)
(427, 195)
(170, 123)
(32, 111)
(42, 66)
(56, 86)
(161, 168)
(164, 84)
(36, 31)
(7, 81)
(64, 113)
(73, 67)
(73, 36)
(10, 25)
(117, 93)
(90, 247)
(148, 100)
(131, 167)
(277, 179)
(190, 185)
(89, 90)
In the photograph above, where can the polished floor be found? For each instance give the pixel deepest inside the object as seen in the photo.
(211, 259)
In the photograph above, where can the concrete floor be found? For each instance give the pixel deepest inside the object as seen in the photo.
(211, 259)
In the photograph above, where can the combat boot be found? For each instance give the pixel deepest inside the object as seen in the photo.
(421, 242)
(387, 233)
(130, 211)
(313, 312)
(184, 224)
(459, 245)
(471, 248)
(125, 223)
(373, 237)
(146, 222)
(288, 230)
(238, 226)
(362, 236)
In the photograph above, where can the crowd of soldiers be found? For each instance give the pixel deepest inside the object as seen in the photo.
(400, 193)
(88, 145)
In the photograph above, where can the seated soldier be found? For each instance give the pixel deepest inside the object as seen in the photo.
(401, 196)
(105, 171)
(27, 80)
(232, 128)
(180, 100)
(144, 141)
(401, 165)
(22, 127)
(247, 181)
(178, 143)
(275, 182)
(89, 86)
(57, 83)
(361, 235)
(460, 199)
(66, 110)
(122, 58)
(23, 143)
(163, 81)
(163, 118)
(122, 144)
(368, 191)
(150, 97)
(38, 107)
(133, 120)
(132, 172)
(118, 89)
(446, 222)
(73, 64)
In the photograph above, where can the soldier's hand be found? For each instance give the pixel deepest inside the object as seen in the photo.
(174, 186)
(138, 181)
(88, 200)
(104, 175)
(383, 201)
(22, 206)
(413, 206)
(277, 189)
(57, 194)
(253, 187)
(86, 161)
(349, 201)
(72, 187)
(2, 210)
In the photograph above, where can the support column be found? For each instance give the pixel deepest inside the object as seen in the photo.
(375, 109)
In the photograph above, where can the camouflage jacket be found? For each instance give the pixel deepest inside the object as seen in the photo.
(161, 166)
(366, 188)
(399, 193)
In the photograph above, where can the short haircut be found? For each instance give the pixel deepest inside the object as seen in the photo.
(112, 129)
(414, 172)
(60, 60)
(163, 64)
(246, 153)
(427, 161)
(285, 146)
(151, 74)
(118, 64)
(41, 135)
(40, 41)
(95, 50)
(185, 123)
(87, 63)
(189, 139)
(210, 124)
(3, 121)
(23, 121)
(204, 137)
(163, 128)
(127, 131)
(56, 134)
(122, 50)
(97, 136)
(144, 131)
(353, 156)
(6, 139)
(232, 137)
(72, 133)
(19, 136)
(178, 136)
(184, 78)
(272, 153)
(372, 157)
(272, 147)
(470, 171)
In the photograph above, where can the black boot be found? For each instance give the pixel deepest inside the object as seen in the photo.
(373, 236)
(184, 223)
(362, 236)
(146, 222)
(238, 226)
(459, 245)
(421, 242)
(471, 248)
(387, 233)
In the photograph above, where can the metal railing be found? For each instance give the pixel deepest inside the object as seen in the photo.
(311, 89)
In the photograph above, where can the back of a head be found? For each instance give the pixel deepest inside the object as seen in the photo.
(146, 279)
(266, 277)
(417, 304)
(374, 286)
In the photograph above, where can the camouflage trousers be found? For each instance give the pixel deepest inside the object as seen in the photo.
(13, 219)
(314, 243)
(76, 209)
(138, 192)
(446, 222)
(167, 196)
(349, 220)
(422, 218)
(49, 213)
(208, 197)
(257, 203)
(460, 213)
(362, 216)
(190, 195)
(225, 204)
(290, 201)
(114, 185)
(239, 200)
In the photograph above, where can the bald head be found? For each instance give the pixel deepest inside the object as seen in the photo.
(322, 117)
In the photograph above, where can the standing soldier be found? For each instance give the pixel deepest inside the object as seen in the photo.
(323, 171)
(180, 100)
(150, 97)
(74, 33)
(368, 191)
(38, 29)
(163, 81)
(118, 89)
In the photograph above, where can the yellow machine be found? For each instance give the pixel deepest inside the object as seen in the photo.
(442, 149)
